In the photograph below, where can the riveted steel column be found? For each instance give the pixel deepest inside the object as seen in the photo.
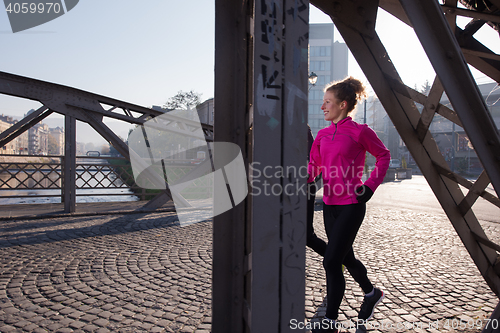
(279, 151)
(294, 160)
(261, 102)
(69, 164)
(232, 85)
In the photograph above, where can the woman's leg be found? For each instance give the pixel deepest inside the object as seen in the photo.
(314, 242)
(358, 271)
(341, 225)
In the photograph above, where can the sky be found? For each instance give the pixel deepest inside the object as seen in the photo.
(405, 50)
(145, 52)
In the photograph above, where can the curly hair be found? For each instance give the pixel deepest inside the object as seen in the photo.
(349, 89)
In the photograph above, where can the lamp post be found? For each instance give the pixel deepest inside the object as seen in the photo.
(313, 78)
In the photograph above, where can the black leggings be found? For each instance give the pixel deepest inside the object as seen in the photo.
(314, 242)
(342, 223)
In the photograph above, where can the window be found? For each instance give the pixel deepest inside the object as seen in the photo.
(316, 95)
(323, 80)
(321, 51)
(315, 109)
(320, 66)
(463, 142)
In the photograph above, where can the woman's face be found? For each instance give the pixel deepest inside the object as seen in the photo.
(333, 109)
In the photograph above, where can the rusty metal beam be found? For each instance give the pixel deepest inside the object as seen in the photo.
(394, 7)
(430, 109)
(23, 125)
(420, 98)
(446, 172)
(448, 62)
(122, 148)
(294, 154)
(495, 317)
(58, 98)
(470, 13)
(477, 189)
(476, 54)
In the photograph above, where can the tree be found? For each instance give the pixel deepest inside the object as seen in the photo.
(89, 146)
(105, 149)
(53, 145)
(183, 100)
(113, 151)
(426, 88)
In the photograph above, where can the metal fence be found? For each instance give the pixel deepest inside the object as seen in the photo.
(28, 176)
(107, 177)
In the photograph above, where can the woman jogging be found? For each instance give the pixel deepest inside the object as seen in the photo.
(338, 152)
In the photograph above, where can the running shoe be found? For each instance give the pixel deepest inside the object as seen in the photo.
(369, 304)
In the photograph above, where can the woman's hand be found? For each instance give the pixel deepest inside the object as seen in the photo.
(364, 193)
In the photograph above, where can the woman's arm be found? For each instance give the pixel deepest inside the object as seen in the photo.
(372, 143)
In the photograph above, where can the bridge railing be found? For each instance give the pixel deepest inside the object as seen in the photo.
(40, 179)
(33, 176)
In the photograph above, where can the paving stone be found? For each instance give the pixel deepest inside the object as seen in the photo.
(102, 330)
(65, 322)
(28, 328)
(90, 327)
(101, 322)
(54, 326)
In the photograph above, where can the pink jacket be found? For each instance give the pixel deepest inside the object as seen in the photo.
(339, 152)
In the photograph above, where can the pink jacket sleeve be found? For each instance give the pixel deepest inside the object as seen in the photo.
(371, 142)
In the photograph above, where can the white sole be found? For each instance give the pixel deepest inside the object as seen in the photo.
(378, 302)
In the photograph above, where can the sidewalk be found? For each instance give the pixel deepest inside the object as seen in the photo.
(144, 273)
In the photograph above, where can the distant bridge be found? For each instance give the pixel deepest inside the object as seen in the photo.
(90, 108)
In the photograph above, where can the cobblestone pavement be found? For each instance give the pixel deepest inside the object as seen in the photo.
(145, 273)
(126, 273)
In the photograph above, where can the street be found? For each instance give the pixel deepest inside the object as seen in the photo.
(415, 194)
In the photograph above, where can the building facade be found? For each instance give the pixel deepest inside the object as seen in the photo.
(38, 140)
(56, 141)
(328, 59)
(206, 112)
(11, 147)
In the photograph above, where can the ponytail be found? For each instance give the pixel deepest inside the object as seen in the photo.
(350, 90)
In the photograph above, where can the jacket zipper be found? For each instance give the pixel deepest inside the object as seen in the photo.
(333, 137)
